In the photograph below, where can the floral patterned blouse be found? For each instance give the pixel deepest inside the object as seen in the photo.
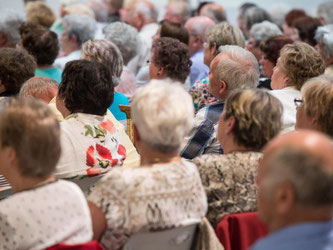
(148, 198)
(90, 146)
(229, 183)
(200, 94)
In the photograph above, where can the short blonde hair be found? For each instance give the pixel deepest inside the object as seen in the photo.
(40, 13)
(258, 117)
(225, 34)
(318, 101)
(31, 128)
(300, 62)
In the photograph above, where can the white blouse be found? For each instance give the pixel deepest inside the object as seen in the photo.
(147, 198)
(42, 217)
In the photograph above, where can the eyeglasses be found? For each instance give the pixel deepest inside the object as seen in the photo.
(205, 44)
(298, 102)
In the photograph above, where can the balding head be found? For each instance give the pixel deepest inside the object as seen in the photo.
(196, 27)
(42, 88)
(296, 179)
(141, 13)
(214, 11)
(178, 12)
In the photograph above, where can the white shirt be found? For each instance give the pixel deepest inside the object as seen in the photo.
(45, 216)
(286, 96)
(61, 62)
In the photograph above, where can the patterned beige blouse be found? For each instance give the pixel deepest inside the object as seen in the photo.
(229, 183)
(148, 198)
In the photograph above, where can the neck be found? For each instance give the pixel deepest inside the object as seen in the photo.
(20, 183)
(150, 157)
(230, 146)
(45, 66)
(303, 215)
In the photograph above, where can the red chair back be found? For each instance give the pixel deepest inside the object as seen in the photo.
(240, 231)
(91, 245)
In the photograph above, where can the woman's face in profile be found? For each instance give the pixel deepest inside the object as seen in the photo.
(278, 77)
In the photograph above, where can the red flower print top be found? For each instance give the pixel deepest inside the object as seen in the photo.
(90, 146)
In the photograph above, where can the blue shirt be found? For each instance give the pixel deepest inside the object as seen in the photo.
(118, 98)
(198, 69)
(203, 137)
(305, 236)
(53, 73)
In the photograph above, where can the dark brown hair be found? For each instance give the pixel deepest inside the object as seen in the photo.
(173, 56)
(40, 42)
(272, 46)
(174, 30)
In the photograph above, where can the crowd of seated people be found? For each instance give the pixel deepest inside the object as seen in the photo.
(220, 120)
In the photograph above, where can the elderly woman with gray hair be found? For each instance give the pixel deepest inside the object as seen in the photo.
(108, 54)
(77, 30)
(127, 39)
(165, 191)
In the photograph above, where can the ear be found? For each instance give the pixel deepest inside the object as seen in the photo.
(223, 88)
(214, 49)
(160, 72)
(3, 40)
(284, 198)
(230, 123)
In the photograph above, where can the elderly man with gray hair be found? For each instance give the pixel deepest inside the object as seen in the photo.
(77, 30)
(295, 198)
(233, 68)
(10, 22)
(196, 27)
(324, 37)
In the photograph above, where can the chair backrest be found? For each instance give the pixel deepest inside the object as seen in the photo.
(86, 183)
(91, 245)
(240, 231)
(180, 238)
(127, 110)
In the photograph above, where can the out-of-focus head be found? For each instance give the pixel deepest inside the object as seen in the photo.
(16, 66)
(42, 88)
(270, 49)
(219, 35)
(254, 15)
(114, 6)
(86, 87)
(306, 27)
(173, 30)
(40, 13)
(77, 30)
(125, 37)
(196, 27)
(170, 58)
(297, 63)
(40, 42)
(278, 14)
(79, 9)
(290, 17)
(10, 22)
(214, 11)
(325, 13)
(177, 12)
(64, 4)
(324, 38)
(29, 138)
(259, 32)
(162, 114)
(295, 180)
(106, 53)
(241, 17)
(233, 68)
(100, 9)
(315, 110)
(142, 12)
(242, 118)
